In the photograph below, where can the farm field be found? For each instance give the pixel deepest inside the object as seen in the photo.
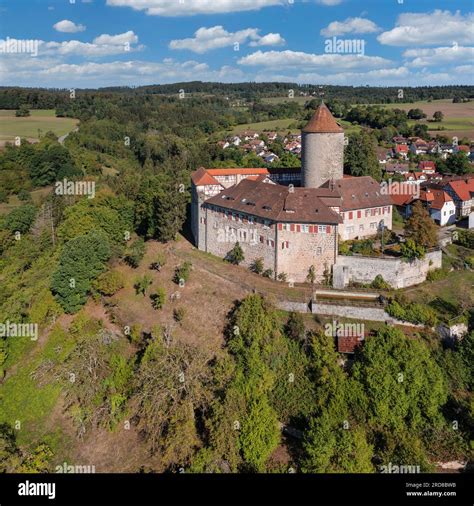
(277, 124)
(40, 121)
(458, 118)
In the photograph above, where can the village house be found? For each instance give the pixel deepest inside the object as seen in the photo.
(461, 190)
(427, 167)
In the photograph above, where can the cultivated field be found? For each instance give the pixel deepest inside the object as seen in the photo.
(39, 122)
(458, 118)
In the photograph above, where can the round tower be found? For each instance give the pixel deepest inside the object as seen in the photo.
(322, 149)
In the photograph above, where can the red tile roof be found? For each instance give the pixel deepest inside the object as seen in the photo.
(322, 121)
(201, 177)
(277, 203)
(463, 188)
(233, 171)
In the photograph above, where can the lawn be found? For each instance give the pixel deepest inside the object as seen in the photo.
(276, 124)
(39, 122)
(13, 202)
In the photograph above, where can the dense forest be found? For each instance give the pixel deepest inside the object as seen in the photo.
(404, 399)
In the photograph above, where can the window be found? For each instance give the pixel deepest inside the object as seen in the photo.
(373, 225)
(361, 228)
(359, 214)
(305, 229)
(319, 251)
(350, 215)
(251, 220)
(367, 212)
(261, 239)
(286, 227)
(350, 230)
(322, 229)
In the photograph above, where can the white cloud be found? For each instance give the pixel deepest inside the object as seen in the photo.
(270, 39)
(121, 38)
(300, 60)
(103, 45)
(350, 25)
(425, 29)
(193, 7)
(91, 74)
(425, 57)
(67, 26)
(206, 39)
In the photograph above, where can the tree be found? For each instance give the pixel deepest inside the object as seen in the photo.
(458, 163)
(159, 262)
(82, 260)
(21, 219)
(22, 112)
(182, 273)
(141, 284)
(331, 447)
(404, 386)
(360, 156)
(135, 253)
(235, 255)
(311, 277)
(257, 266)
(411, 251)
(109, 283)
(169, 388)
(160, 208)
(421, 228)
(416, 114)
(438, 116)
(158, 299)
(295, 328)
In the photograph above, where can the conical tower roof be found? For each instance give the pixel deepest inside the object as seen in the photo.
(322, 122)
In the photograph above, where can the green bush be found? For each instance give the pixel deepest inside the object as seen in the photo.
(182, 272)
(179, 314)
(135, 253)
(436, 275)
(257, 266)
(267, 273)
(158, 299)
(109, 283)
(379, 283)
(21, 219)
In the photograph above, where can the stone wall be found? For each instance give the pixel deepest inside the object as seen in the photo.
(395, 271)
(290, 251)
(322, 158)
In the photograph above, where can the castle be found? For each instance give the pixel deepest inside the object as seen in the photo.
(291, 219)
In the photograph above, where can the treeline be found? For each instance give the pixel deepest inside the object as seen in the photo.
(40, 98)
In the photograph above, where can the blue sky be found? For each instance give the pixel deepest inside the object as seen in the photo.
(94, 43)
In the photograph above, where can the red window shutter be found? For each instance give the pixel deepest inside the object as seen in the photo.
(311, 229)
(280, 226)
(359, 214)
(350, 215)
(316, 229)
(328, 229)
(298, 228)
(292, 227)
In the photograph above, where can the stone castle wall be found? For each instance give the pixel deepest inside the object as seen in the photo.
(291, 252)
(395, 271)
